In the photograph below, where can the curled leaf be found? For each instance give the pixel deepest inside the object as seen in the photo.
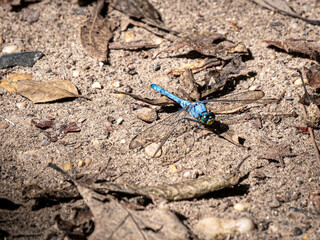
(313, 76)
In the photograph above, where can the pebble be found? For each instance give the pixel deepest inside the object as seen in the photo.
(157, 40)
(156, 67)
(76, 73)
(147, 114)
(24, 59)
(21, 105)
(87, 161)
(45, 142)
(95, 142)
(210, 227)
(297, 231)
(119, 121)
(116, 84)
(192, 174)
(241, 206)
(123, 141)
(275, 203)
(173, 169)
(298, 82)
(9, 49)
(80, 163)
(67, 166)
(101, 64)
(150, 150)
(96, 85)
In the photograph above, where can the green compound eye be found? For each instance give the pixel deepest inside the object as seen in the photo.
(207, 118)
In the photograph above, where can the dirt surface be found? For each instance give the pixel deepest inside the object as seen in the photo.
(279, 197)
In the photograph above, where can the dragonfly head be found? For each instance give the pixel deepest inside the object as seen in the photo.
(207, 118)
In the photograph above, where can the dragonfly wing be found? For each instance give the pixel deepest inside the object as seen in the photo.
(160, 131)
(235, 101)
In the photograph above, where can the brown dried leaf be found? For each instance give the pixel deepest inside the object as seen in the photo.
(95, 35)
(10, 83)
(313, 115)
(313, 76)
(195, 66)
(302, 46)
(40, 92)
(282, 7)
(138, 9)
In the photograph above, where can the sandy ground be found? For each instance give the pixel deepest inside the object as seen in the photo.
(279, 202)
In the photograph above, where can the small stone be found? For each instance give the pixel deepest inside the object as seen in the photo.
(95, 142)
(9, 49)
(96, 85)
(81, 120)
(122, 141)
(119, 121)
(298, 82)
(151, 149)
(156, 67)
(76, 73)
(45, 142)
(3, 125)
(210, 227)
(275, 203)
(80, 163)
(241, 206)
(101, 64)
(116, 84)
(24, 59)
(273, 57)
(297, 231)
(192, 174)
(147, 114)
(173, 169)
(157, 40)
(21, 105)
(87, 161)
(67, 166)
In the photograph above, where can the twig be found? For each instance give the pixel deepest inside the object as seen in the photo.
(310, 129)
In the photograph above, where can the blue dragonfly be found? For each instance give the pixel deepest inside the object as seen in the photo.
(162, 130)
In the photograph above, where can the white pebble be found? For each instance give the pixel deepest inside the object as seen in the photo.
(101, 64)
(9, 49)
(298, 82)
(116, 84)
(151, 149)
(119, 120)
(209, 228)
(96, 85)
(241, 206)
(21, 105)
(76, 73)
(123, 141)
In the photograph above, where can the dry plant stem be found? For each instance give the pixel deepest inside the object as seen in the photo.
(310, 129)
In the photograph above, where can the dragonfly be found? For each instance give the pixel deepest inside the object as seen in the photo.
(190, 111)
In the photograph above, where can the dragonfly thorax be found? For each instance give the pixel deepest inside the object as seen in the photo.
(207, 118)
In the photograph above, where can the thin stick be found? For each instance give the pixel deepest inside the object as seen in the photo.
(310, 129)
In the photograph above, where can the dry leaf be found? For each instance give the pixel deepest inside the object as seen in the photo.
(313, 76)
(282, 7)
(302, 46)
(195, 66)
(95, 35)
(138, 9)
(40, 92)
(10, 83)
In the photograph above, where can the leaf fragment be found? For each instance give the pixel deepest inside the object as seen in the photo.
(10, 83)
(95, 35)
(313, 76)
(307, 47)
(195, 66)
